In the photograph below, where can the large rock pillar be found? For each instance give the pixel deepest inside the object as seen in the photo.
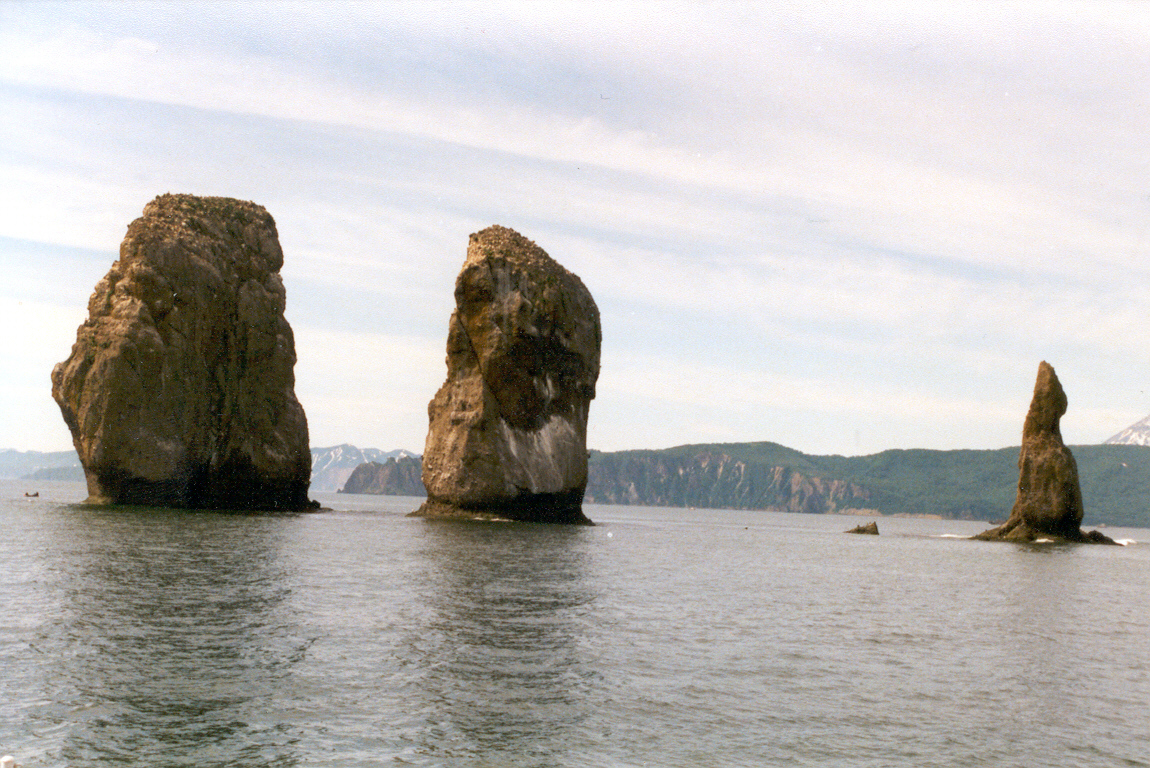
(1049, 500)
(180, 389)
(508, 428)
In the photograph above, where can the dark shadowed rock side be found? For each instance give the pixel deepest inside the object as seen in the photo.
(508, 428)
(870, 528)
(180, 387)
(1049, 500)
(394, 477)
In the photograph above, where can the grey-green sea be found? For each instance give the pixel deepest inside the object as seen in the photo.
(660, 637)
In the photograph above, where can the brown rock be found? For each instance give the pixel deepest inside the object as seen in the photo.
(180, 387)
(508, 428)
(1049, 500)
(870, 528)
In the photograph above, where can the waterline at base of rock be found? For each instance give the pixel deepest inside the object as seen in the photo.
(556, 508)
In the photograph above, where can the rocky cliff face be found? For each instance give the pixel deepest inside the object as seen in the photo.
(180, 387)
(508, 428)
(710, 479)
(1049, 500)
(332, 466)
(394, 477)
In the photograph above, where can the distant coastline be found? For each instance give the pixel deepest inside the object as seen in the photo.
(958, 484)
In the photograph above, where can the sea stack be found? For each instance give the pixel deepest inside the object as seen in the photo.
(180, 389)
(1049, 500)
(508, 428)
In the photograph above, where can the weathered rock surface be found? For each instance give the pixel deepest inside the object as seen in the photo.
(1049, 500)
(508, 428)
(180, 387)
(870, 529)
(394, 477)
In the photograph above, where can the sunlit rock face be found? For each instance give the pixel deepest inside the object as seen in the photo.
(1049, 500)
(508, 428)
(180, 387)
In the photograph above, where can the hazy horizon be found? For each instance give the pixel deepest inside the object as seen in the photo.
(844, 228)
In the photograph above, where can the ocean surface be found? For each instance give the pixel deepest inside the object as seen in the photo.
(660, 637)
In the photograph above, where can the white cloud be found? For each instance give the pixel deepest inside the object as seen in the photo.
(939, 192)
(65, 208)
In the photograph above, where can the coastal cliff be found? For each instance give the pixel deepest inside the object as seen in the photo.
(333, 465)
(394, 477)
(717, 479)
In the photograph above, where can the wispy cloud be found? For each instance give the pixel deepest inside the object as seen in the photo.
(891, 209)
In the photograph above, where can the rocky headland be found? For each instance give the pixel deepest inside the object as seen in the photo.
(331, 466)
(508, 429)
(1049, 500)
(179, 390)
(715, 478)
(394, 477)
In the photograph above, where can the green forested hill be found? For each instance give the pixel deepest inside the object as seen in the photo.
(965, 484)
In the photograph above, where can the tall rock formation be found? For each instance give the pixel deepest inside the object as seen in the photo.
(508, 428)
(180, 387)
(1049, 500)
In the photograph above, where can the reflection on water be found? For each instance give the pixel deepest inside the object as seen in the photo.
(661, 637)
(504, 668)
(1044, 656)
(169, 639)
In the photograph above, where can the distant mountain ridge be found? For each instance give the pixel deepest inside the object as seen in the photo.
(1137, 433)
(962, 484)
(19, 464)
(332, 466)
(394, 477)
(738, 476)
(965, 484)
(951, 484)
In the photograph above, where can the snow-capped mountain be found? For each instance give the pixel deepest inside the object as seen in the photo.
(1135, 434)
(15, 464)
(330, 467)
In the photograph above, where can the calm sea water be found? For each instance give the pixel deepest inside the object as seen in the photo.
(661, 637)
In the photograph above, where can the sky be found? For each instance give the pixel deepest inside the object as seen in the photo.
(840, 227)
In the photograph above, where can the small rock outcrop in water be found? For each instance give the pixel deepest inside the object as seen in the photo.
(1049, 500)
(180, 387)
(508, 428)
(870, 528)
